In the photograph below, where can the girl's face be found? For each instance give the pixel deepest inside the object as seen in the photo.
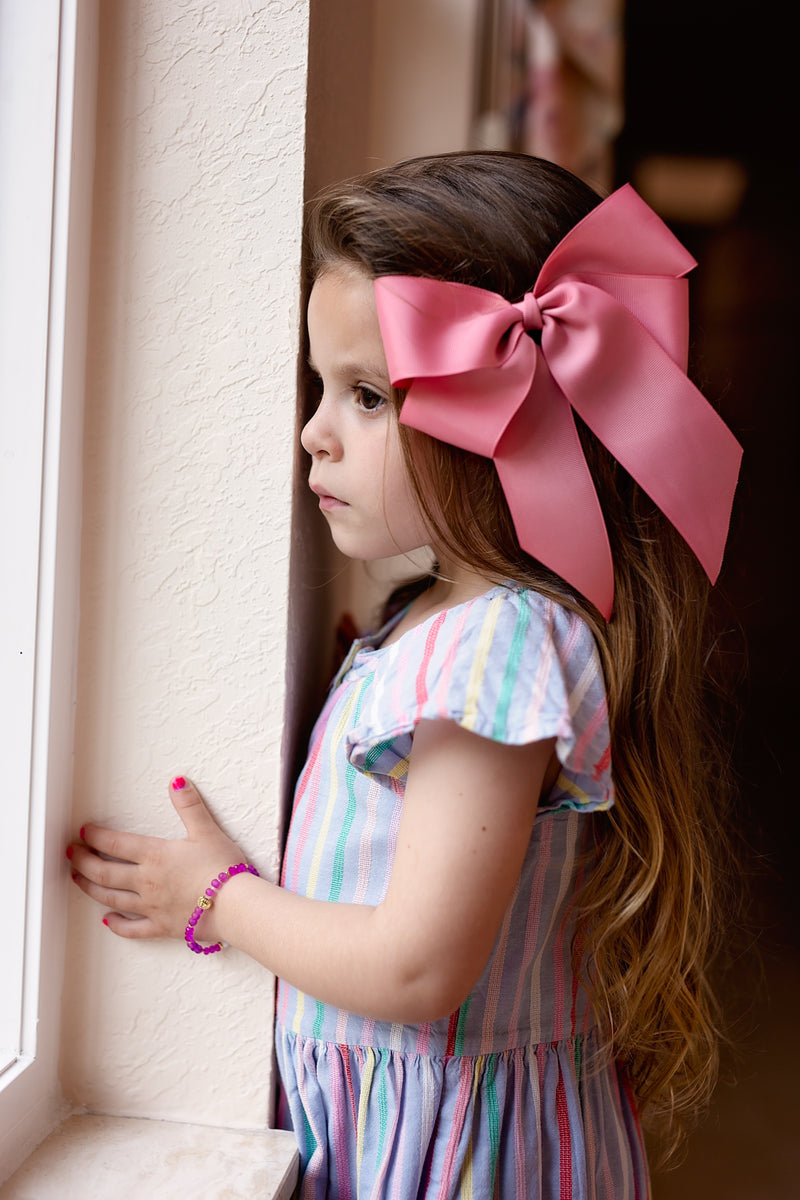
(357, 467)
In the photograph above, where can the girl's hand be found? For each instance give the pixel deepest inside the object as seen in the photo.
(152, 884)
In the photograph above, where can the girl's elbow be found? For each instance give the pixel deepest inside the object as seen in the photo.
(431, 994)
(426, 977)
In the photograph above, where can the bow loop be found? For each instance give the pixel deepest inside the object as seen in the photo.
(612, 307)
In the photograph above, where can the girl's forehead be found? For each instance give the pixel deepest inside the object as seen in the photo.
(343, 318)
(342, 275)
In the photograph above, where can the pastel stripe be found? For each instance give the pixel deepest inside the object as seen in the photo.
(515, 652)
(532, 922)
(520, 1155)
(493, 991)
(337, 875)
(492, 1119)
(461, 1026)
(538, 691)
(310, 783)
(421, 681)
(577, 793)
(394, 826)
(400, 1135)
(564, 1142)
(299, 1011)
(587, 678)
(344, 722)
(480, 662)
(557, 914)
(598, 719)
(373, 793)
(466, 1191)
(455, 1131)
(442, 686)
(367, 1074)
(339, 1107)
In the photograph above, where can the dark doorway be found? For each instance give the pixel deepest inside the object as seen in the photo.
(708, 81)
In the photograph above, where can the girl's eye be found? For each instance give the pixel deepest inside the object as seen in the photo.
(367, 400)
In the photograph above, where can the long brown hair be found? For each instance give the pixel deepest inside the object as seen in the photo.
(648, 916)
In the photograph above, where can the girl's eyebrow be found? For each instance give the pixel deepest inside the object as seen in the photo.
(355, 368)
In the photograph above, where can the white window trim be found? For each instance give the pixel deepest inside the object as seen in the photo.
(58, 39)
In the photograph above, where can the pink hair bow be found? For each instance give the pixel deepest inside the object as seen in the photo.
(612, 307)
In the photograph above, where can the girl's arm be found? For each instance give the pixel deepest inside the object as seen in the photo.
(468, 812)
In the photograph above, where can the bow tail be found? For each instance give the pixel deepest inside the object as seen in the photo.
(677, 448)
(551, 496)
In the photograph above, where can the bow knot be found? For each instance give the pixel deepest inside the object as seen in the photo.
(613, 349)
(532, 319)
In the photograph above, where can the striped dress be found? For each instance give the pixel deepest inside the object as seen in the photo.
(511, 1096)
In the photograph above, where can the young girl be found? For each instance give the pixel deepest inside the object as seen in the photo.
(496, 913)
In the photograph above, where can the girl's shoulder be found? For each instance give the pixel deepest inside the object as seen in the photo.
(502, 617)
(509, 664)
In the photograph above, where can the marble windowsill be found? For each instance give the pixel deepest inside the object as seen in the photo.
(97, 1158)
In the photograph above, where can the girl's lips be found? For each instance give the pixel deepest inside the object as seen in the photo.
(326, 501)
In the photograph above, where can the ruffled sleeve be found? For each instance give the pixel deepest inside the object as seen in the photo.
(511, 666)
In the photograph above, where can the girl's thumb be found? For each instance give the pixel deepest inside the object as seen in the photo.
(189, 805)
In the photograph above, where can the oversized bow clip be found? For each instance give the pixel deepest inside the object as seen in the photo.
(612, 307)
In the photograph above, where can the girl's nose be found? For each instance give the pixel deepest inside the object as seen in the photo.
(318, 435)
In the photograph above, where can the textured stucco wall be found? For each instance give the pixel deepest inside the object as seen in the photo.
(189, 452)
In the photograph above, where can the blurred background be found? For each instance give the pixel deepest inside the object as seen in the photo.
(692, 102)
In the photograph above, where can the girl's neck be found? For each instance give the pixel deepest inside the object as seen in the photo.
(453, 585)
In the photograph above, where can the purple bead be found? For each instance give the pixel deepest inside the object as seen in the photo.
(223, 875)
(210, 892)
(216, 883)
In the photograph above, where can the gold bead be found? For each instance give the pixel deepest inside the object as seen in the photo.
(205, 902)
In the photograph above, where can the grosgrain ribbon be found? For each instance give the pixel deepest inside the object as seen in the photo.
(612, 306)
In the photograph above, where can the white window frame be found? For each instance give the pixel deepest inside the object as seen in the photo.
(48, 76)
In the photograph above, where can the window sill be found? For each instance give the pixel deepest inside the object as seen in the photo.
(96, 1157)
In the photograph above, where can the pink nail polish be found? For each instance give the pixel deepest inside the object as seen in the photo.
(69, 851)
(178, 783)
(105, 922)
(82, 832)
(74, 874)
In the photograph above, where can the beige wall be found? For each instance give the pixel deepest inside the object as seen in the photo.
(195, 591)
(189, 452)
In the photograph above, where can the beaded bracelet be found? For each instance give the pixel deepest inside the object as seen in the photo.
(206, 901)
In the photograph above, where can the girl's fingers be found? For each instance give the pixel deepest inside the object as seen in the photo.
(197, 820)
(130, 927)
(128, 846)
(104, 873)
(151, 884)
(115, 898)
